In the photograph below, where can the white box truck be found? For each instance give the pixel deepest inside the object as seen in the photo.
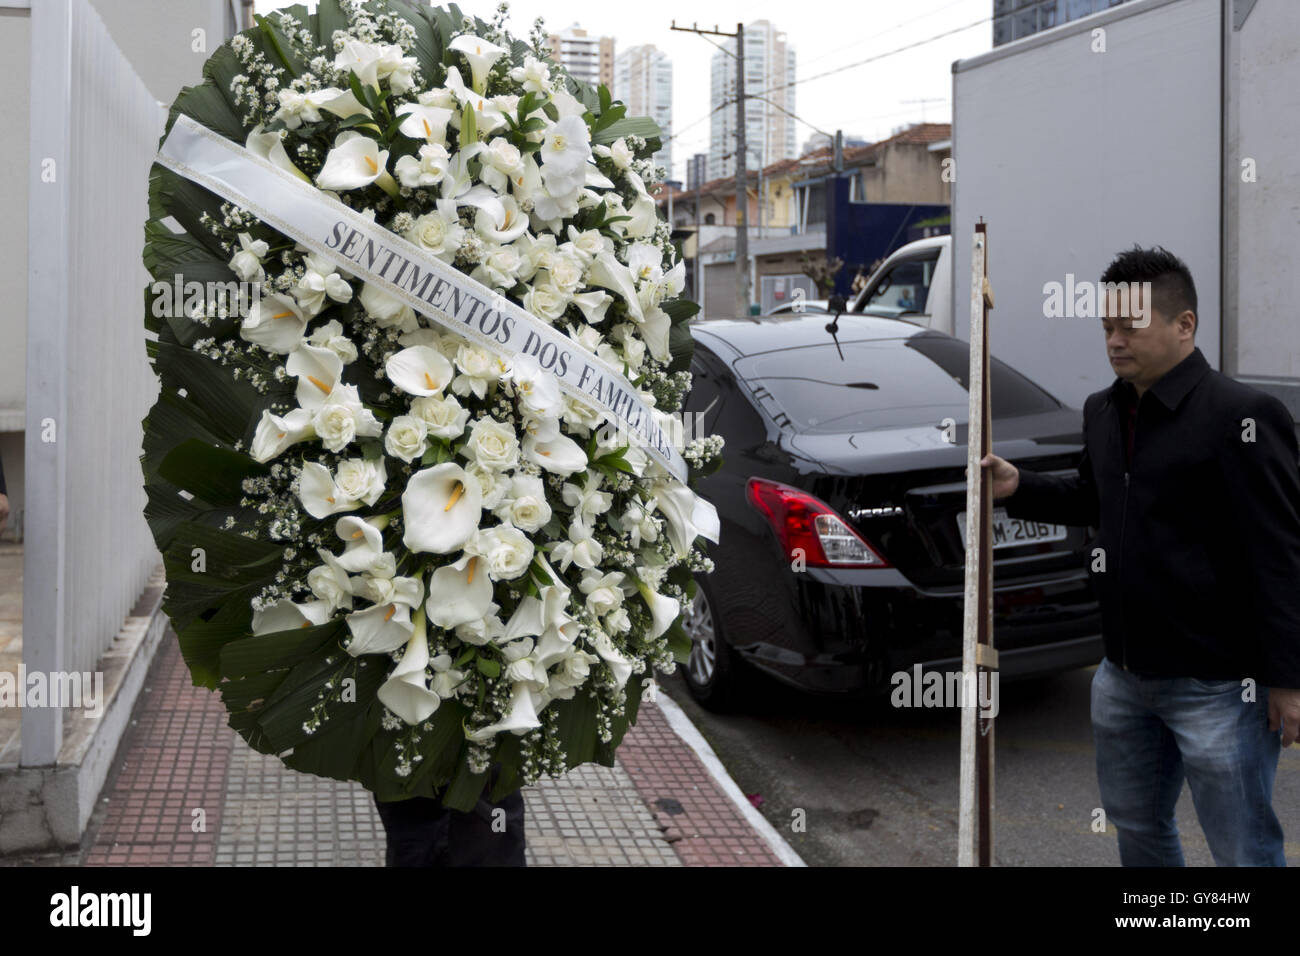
(1157, 122)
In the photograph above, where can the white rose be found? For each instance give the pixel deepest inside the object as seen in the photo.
(546, 302)
(579, 414)
(493, 485)
(504, 155)
(335, 425)
(442, 417)
(477, 362)
(406, 438)
(525, 507)
(508, 552)
(361, 479)
(493, 444)
(566, 272)
(330, 585)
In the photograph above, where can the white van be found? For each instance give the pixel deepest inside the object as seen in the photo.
(914, 283)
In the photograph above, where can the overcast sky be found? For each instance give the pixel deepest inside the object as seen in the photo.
(869, 100)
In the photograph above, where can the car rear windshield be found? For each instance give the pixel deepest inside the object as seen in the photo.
(880, 383)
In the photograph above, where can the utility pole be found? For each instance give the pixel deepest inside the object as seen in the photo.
(698, 161)
(742, 192)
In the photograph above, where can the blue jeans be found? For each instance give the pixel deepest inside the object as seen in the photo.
(1152, 732)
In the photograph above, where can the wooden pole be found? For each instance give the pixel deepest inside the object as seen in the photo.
(979, 659)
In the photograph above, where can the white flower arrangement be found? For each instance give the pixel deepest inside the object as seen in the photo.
(470, 551)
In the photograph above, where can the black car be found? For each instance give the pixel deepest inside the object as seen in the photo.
(842, 496)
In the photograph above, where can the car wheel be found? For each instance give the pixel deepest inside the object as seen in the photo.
(715, 676)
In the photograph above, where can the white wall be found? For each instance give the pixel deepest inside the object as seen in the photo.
(1262, 288)
(1072, 156)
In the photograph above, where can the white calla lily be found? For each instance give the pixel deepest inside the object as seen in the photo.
(459, 593)
(428, 123)
(275, 433)
(560, 455)
(608, 273)
(318, 371)
(270, 147)
(481, 55)
(620, 665)
(286, 616)
(274, 322)
(355, 161)
(405, 692)
(419, 370)
(441, 508)
(521, 717)
(663, 609)
(364, 542)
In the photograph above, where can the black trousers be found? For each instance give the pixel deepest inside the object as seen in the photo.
(422, 832)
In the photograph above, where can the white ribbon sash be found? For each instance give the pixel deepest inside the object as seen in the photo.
(435, 289)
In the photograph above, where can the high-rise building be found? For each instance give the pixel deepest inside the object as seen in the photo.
(587, 58)
(643, 79)
(769, 127)
(697, 170)
(1014, 19)
(822, 140)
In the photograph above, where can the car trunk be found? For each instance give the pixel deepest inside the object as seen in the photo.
(905, 494)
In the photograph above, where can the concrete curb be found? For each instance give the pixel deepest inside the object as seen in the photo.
(690, 734)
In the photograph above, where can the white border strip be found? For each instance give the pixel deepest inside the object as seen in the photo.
(682, 726)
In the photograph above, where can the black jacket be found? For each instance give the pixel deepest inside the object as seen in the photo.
(1199, 534)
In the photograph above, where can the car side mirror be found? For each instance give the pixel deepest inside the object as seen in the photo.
(836, 304)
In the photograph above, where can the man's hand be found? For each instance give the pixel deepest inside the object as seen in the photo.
(1284, 712)
(4, 510)
(1006, 476)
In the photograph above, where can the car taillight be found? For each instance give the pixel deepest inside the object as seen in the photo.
(804, 522)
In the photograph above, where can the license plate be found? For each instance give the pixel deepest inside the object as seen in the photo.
(1014, 532)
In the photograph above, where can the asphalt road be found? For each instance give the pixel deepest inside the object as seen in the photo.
(877, 786)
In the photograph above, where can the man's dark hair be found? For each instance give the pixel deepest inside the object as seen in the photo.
(1171, 281)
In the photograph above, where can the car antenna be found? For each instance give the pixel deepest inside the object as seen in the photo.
(836, 304)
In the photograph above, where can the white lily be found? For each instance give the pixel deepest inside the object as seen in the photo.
(619, 664)
(318, 371)
(372, 62)
(428, 123)
(560, 454)
(318, 493)
(441, 507)
(678, 504)
(419, 370)
(663, 609)
(521, 717)
(270, 147)
(297, 107)
(405, 692)
(354, 162)
(487, 115)
(274, 434)
(588, 500)
(274, 322)
(344, 104)
(384, 627)
(364, 539)
(510, 227)
(286, 616)
(459, 592)
(608, 273)
(481, 56)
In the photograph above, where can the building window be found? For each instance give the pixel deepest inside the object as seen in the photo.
(709, 219)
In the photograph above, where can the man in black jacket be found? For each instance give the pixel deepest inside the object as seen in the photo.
(1191, 480)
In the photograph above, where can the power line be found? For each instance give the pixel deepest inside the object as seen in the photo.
(879, 56)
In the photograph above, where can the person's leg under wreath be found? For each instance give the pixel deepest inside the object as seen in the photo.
(1139, 771)
(422, 832)
(417, 831)
(1231, 758)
